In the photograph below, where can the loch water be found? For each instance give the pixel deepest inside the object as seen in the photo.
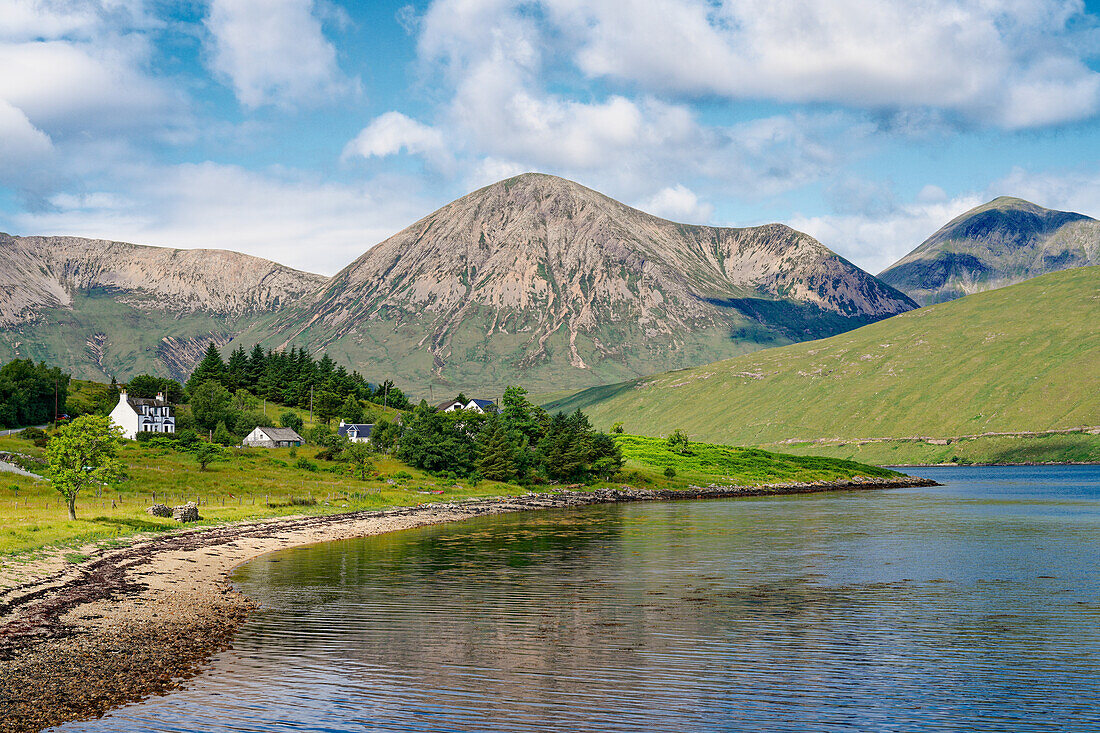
(971, 606)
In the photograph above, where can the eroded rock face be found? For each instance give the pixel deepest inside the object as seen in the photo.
(1003, 242)
(48, 272)
(537, 259)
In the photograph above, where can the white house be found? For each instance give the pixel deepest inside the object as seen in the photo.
(142, 415)
(482, 406)
(262, 437)
(355, 432)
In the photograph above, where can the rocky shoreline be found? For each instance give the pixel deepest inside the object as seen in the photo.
(139, 620)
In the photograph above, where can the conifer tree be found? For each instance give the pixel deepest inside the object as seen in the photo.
(211, 367)
(222, 435)
(497, 460)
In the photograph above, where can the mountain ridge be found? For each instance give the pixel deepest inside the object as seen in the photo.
(1002, 242)
(537, 268)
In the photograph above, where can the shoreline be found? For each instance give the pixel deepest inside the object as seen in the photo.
(139, 620)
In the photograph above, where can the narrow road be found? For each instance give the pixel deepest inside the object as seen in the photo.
(13, 431)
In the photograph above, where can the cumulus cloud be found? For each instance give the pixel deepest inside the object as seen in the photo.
(287, 216)
(392, 132)
(678, 203)
(274, 52)
(1017, 65)
(876, 241)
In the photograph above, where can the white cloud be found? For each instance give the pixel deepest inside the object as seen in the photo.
(286, 216)
(392, 132)
(24, 151)
(678, 203)
(1016, 64)
(874, 242)
(1068, 190)
(274, 52)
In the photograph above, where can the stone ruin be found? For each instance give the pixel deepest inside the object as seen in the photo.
(189, 512)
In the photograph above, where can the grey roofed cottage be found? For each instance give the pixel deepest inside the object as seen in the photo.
(263, 437)
(355, 432)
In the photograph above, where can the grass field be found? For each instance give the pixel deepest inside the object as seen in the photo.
(257, 483)
(1021, 358)
(705, 463)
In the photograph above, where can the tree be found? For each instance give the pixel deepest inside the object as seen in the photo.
(243, 400)
(83, 453)
(606, 456)
(497, 456)
(438, 441)
(207, 453)
(678, 442)
(210, 368)
(617, 428)
(209, 404)
(359, 456)
(27, 392)
(385, 435)
(351, 411)
(147, 385)
(290, 419)
(327, 404)
(222, 436)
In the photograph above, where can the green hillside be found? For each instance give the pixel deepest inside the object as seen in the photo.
(1024, 357)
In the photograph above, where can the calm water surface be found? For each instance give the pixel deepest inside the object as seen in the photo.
(972, 606)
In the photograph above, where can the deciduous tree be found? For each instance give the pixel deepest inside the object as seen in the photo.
(82, 454)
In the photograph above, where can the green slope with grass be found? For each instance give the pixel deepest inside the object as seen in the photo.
(255, 483)
(1021, 358)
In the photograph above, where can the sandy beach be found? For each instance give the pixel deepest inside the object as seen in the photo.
(140, 619)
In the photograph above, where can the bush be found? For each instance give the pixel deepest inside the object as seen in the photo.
(290, 419)
(35, 435)
(187, 439)
(670, 472)
(305, 464)
(222, 436)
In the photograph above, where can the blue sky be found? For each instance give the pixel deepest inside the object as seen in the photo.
(306, 131)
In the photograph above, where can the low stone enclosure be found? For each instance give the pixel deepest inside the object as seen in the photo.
(189, 512)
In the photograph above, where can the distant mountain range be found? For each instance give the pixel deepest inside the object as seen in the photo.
(533, 280)
(1005, 241)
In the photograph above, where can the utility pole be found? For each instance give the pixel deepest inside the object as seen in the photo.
(311, 403)
(55, 403)
(386, 396)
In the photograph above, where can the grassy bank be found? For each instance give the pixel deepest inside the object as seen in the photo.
(1057, 448)
(257, 483)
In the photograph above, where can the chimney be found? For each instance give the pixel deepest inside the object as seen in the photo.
(160, 397)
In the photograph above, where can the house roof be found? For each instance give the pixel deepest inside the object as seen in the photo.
(483, 403)
(449, 403)
(136, 402)
(361, 429)
(281, 433)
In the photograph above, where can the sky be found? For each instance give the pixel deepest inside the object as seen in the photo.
(306, 131)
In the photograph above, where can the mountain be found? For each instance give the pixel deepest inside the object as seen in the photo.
(540, 281)
(1020, 358)
(1005, 241)
(103, 309)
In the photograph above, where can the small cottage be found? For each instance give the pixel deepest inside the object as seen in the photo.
(263, 437)
(142, 415)
(355, 432)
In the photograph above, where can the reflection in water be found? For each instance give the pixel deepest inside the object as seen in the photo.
(972, 606)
